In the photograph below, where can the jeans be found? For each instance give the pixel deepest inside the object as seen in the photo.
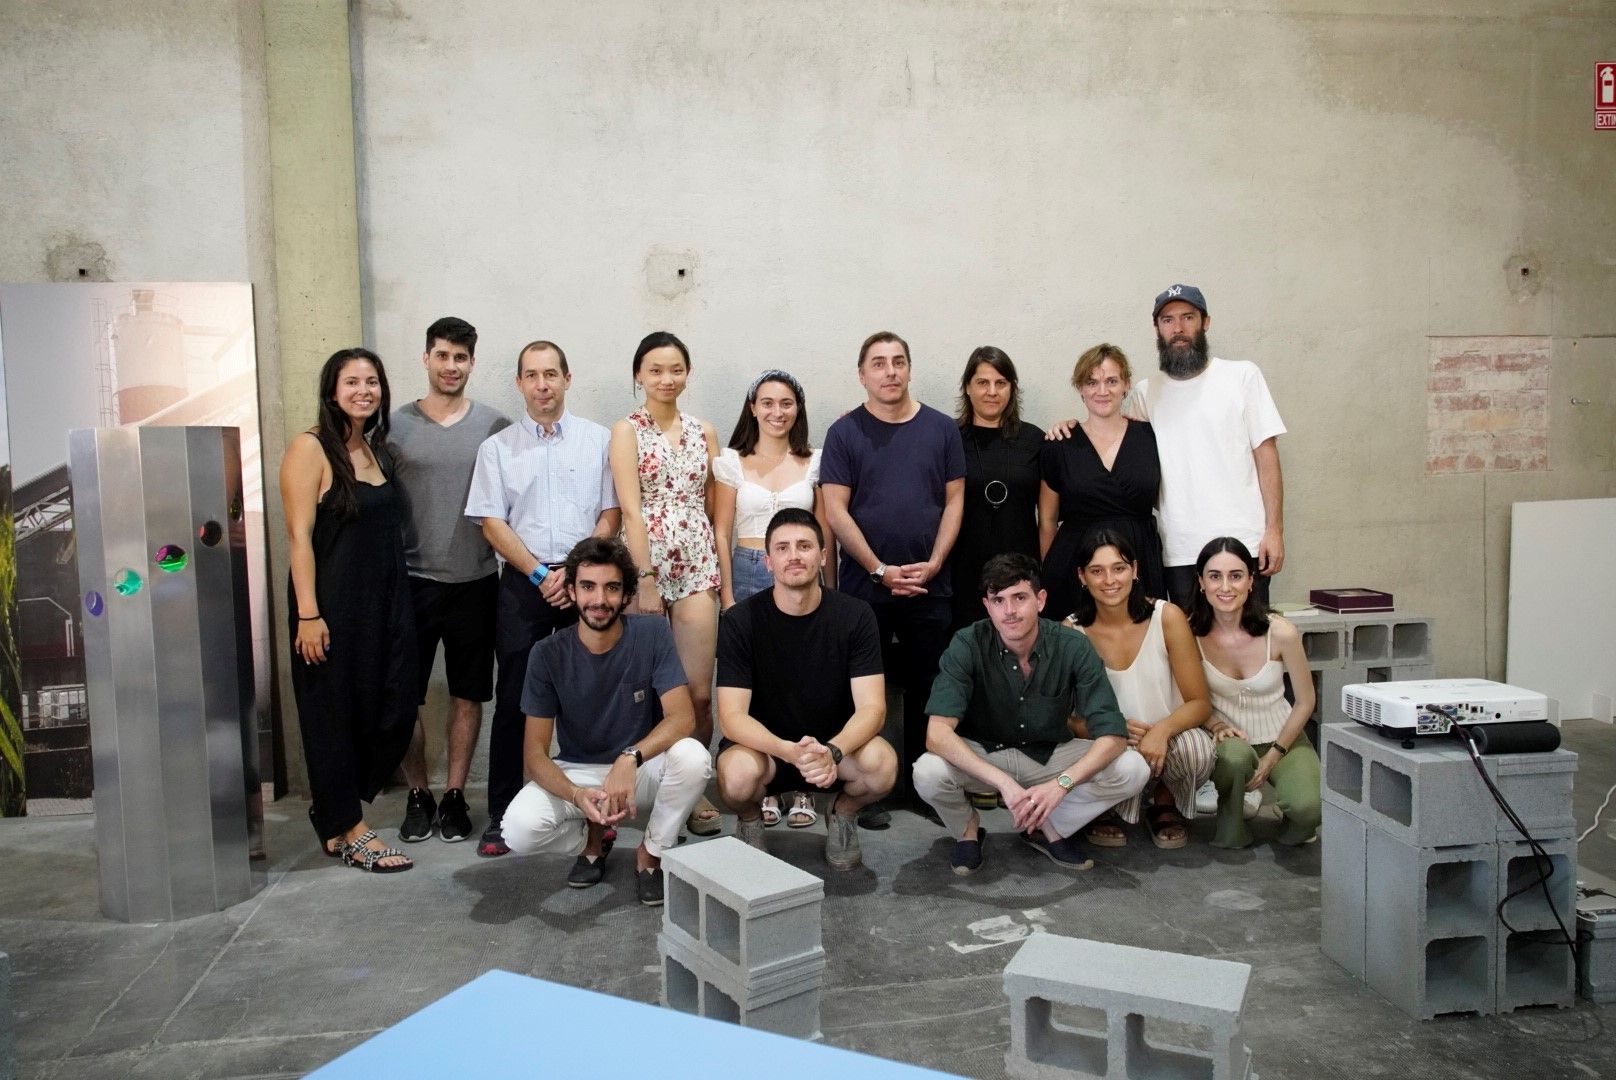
(747, 574)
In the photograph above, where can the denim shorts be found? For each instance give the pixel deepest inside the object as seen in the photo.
(748, 575)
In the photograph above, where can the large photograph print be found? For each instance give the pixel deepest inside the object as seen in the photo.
(106, 355)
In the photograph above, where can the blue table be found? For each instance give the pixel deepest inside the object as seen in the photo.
(503, 1025)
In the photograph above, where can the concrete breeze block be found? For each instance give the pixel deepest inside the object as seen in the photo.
(1324, 639)
(1342, 888)
(786, 1003)
(1519, 868)
(1431, 927)
(1538, 787)
(1430, 796)
(754, 913)
(1535, 968)
(1388, 638)
(1132, 987)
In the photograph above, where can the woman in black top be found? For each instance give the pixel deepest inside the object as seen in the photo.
(1001, 476)
(1105, 474)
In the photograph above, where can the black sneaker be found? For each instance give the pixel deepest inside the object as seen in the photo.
(492, 845)
(454, 819)
(420, 816)
(586, 872)
(967, 857)
(1067, 853)
(648, 886)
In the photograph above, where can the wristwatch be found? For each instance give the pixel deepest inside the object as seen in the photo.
(835, 752)
(879, 573)
(1066, 782)
(634, 752)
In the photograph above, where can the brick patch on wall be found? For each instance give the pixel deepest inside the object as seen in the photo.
(1487, 405)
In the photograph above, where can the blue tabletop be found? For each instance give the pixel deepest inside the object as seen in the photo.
(503, 1025)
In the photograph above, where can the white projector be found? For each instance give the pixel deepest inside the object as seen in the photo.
(1432, 706)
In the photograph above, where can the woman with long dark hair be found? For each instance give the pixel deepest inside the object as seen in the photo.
(1246, 653)
(1001, 476)
(661, 459)
(349, 607)
(1155, 670)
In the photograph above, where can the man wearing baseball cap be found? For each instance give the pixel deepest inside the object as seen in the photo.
(1216, 430)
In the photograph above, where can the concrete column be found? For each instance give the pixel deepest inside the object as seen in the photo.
(316, 244)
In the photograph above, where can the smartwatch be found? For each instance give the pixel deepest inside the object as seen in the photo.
(835, 752)
(633, 752)
(879, 573)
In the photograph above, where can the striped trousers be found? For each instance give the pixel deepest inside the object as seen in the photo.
(1190, 758)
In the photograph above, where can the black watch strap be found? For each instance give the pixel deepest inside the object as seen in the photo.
(835, 752)
(634, 752)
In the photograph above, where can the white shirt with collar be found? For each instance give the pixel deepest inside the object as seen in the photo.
(549, 487)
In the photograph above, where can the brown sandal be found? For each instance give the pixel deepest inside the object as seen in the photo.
(1159, 818)
(1108, 830)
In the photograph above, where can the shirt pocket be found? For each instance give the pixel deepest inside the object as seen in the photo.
(637, 706)
(1042, 717)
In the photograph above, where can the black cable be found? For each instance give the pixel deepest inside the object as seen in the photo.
(1541, 859)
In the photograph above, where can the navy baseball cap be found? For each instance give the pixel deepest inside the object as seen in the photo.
(1187, 293)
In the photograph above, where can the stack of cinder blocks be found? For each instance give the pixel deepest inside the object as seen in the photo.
(1136, 997)
(1417, 857)
(1346, 649)
(740, 938)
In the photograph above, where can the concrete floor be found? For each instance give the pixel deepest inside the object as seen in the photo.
(326, 956)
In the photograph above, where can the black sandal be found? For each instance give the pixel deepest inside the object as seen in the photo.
(1162, 816)
(360, 857)
(1108, 820)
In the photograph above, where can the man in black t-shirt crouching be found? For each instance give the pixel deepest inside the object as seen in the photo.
(801, 697)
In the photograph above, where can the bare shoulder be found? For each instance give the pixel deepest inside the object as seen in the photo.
(1284, 630)
(305, 449)
(1173, 617)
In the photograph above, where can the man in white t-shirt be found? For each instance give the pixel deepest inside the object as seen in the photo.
(1216, 430)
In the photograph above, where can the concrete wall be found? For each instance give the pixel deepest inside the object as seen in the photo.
(1344, 179)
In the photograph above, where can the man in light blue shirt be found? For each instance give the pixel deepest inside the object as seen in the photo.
(539, 487)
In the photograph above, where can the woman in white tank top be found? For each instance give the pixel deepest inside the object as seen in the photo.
(1155, 670)
(1247, 653)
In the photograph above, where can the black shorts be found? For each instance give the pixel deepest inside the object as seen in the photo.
(460, 614)
(786, 777)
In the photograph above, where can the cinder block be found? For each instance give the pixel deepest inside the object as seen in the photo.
(1427, 796)
(786, 1002)
(754, 913)
(1431, 929)
(8, 1039)
(1388, 639)
(1538, 787)
(1342, 888)
(1519, 870)
(1133, 987)
(1345, 773)
(1535, 968)
(1324, 639)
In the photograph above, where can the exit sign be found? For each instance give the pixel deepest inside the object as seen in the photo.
(1605, 95)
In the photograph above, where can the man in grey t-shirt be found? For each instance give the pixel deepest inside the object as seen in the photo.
(454, 581)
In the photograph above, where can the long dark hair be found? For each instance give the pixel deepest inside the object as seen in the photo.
(333, 424)
(744, 439)
(1086, 609)
(998, 361)
(1253, 613)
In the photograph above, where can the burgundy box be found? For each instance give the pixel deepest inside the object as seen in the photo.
(1350, 601)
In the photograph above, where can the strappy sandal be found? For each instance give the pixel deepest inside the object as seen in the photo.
(802, 813)
(770, 811)
(1108, 830)
(1160, 817)
(360, 857)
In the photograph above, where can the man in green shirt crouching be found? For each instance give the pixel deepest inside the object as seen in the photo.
(1000, 713)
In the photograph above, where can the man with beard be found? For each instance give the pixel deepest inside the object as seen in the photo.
(1216, 427)
(1001, 721)
(453, 577)
(801, 697)
(612, 692)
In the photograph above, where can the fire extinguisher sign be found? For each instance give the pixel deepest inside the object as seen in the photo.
(1605, 95)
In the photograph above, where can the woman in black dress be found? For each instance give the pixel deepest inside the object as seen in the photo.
(349, 608)
(1001, 476)
(1106, 474)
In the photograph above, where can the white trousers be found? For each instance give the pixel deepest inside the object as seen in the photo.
(945, 787)
(667, 787)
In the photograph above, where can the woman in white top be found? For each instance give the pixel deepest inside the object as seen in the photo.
(1247, 653)
(767, 467)
(1155, 670)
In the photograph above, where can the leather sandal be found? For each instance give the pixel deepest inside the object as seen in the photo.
(1160, 817)
(1107, 830)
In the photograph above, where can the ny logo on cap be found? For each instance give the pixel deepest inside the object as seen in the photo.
(1174, 290)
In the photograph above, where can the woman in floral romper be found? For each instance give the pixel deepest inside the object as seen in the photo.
(661, 465)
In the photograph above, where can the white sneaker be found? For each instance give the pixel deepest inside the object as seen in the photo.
(1253, 804)
(1206, 799)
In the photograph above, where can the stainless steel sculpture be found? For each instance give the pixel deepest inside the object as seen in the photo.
(168, 650)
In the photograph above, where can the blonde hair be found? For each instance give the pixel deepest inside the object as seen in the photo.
(1096, 356)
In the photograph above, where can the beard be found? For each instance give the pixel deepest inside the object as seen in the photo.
(1186, 359)
(601, 623)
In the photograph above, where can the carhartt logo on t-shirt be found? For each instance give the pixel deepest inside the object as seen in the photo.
(639, 697)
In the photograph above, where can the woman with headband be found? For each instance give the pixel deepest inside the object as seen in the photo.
(1001, 476)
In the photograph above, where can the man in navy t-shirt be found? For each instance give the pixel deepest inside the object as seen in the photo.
(893, 474)
(613, 693)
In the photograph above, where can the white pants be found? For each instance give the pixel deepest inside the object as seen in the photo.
(945, 787)
(668, 786)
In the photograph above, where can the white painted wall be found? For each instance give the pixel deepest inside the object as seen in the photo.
(1343, 179)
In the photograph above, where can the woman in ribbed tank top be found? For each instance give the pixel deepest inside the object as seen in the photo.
(1247, 653)
(1155, 670)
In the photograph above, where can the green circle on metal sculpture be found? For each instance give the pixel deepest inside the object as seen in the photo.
(171, 558)
(127, 582)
